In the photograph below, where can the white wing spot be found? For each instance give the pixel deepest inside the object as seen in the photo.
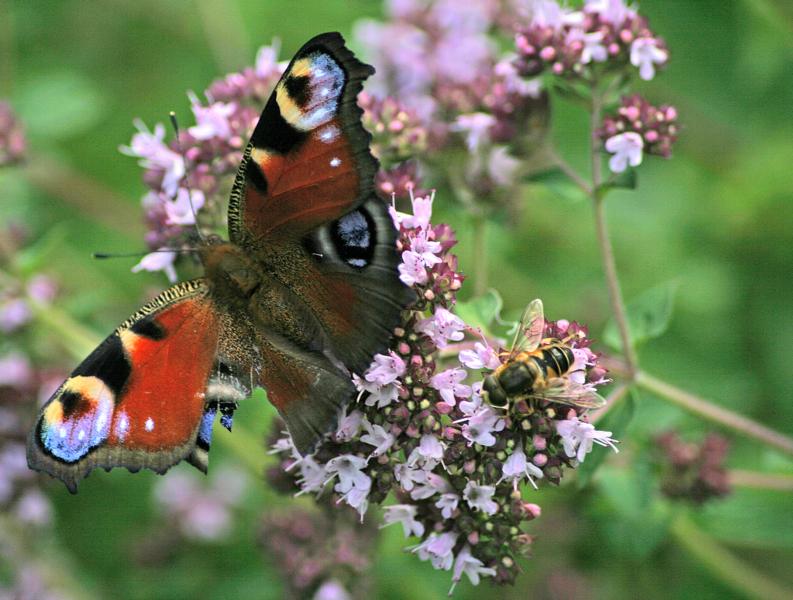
(62, 432)
(81, 435)
(335, 161)
(149, 425)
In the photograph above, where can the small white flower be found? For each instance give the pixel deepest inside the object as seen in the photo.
(161, 260)
(438, 549)
(385, 369)
(442, 327)
(408, 477)
(448, 504)
(406, 515)
(645, 54)
(578, 437)
(379, 395)
(448, 383)
(348, 467)
(155, 154)
(481, 425)
(378, 437)
(516, 467)
(471, 566)
(627, 149)
(179, 210)
(480, 497)
(422, 211)
(211, 121)
(267, 60)
(349, 425)
(610, 11)
(476, 126)
(434, 484)
(481, 357)
(313, 476)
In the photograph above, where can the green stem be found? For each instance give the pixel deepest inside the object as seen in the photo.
(765, 481)
(724, 565)
(604, 241)
(712, 412)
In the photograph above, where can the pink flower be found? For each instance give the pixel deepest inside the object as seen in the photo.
(413, 269)
(179, 211)
(442, 327)
(477, 127)
(481, 357)
(438, 549)
(161, 260)
(349, 425)
(405, 514)
(645, 54)
(481, 425)
(211, 121)
(614, 12)
(422, 211)
(448, 384)
(155, 154)
(516, 467)
(471, 566)
(378, 437)
(578, 437)
(15, 370)
(386, 369)
(627, 149)
(14, 314)
(448, 504)
(480, 497)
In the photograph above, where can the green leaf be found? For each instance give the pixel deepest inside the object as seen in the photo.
(648, 316)
(59, 104)
(481, 311)
(616, 421)
(558, 183)
(627, 180)
(35, 256)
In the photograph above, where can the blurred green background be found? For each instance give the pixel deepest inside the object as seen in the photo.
(715, 220)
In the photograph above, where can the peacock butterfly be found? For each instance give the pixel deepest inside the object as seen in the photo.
(303, 295)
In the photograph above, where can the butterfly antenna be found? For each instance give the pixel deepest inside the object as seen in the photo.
(175, 124)
(103, 255)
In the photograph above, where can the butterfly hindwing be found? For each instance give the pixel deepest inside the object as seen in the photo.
(138, 400)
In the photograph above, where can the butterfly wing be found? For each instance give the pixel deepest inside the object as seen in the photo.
(308, 160)
(145, 398)
(303, 206)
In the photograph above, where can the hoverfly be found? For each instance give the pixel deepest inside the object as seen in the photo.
(538, 368)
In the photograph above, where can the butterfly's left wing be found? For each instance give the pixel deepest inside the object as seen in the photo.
(145, 398)
(303, 205)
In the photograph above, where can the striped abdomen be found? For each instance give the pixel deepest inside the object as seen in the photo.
(529, 371)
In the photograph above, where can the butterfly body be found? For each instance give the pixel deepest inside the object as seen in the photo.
(302, 296)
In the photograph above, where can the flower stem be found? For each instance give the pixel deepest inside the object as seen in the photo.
(712, 412)
(619, 392)
(724, 565)
(766, 481)
(570, 172)
(604, 242)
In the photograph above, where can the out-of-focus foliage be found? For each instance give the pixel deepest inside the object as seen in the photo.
(713, 224)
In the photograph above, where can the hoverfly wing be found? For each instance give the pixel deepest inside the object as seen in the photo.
(529, 329)
(563, 391)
